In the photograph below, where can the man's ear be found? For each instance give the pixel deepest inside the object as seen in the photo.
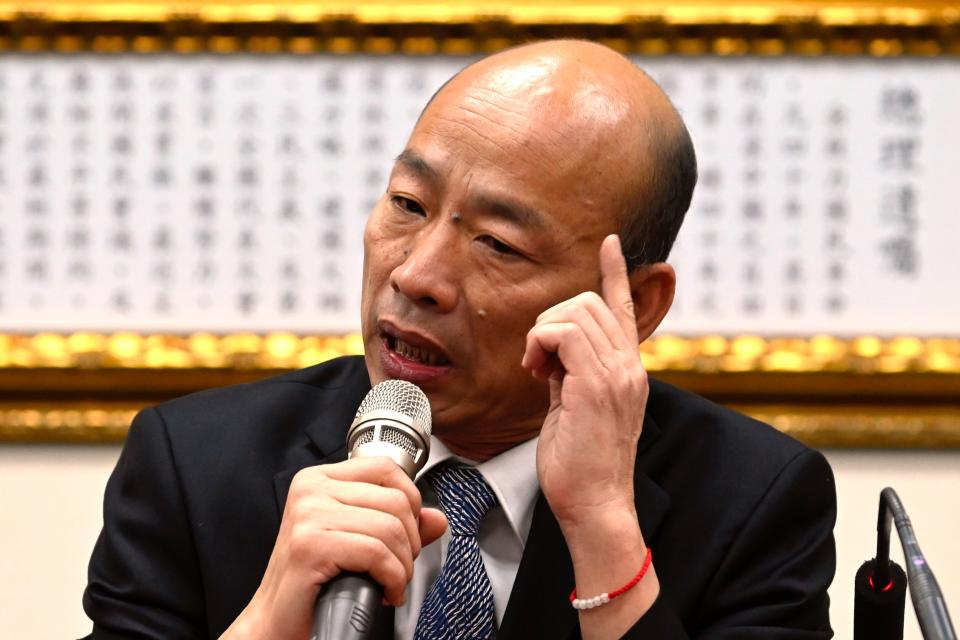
(652, 287)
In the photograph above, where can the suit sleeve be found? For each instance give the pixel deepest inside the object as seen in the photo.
(143, 580)
(772, 582)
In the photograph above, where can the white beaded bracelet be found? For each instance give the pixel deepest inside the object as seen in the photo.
(590, 603)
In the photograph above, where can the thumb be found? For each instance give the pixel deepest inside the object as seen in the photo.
(432, 525)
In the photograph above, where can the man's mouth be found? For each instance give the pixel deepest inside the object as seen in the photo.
(417, 354)
(407, 355)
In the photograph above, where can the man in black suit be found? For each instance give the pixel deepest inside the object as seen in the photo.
(494, 278)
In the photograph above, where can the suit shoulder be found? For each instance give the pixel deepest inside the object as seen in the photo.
(741, 498)
(326, 376)
(282, 402)
(682, 413)
(731, 452)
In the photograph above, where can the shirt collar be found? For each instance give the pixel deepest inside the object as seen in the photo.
(512, 475)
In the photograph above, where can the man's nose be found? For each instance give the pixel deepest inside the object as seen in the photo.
(428, 275)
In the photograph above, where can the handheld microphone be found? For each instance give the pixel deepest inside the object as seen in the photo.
(393, 420)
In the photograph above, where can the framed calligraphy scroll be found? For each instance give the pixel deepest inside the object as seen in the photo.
(183, 190)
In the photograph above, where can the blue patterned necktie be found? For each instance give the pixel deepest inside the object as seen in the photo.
(459, 605)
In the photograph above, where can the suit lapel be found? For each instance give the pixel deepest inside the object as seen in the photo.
(326, 436)
(544, 579)
(282, 479)
(539, 605)
(651, 500)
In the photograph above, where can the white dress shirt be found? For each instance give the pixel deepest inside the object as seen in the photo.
(512, 476)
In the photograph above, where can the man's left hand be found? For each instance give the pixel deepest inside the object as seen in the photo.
(588, 349)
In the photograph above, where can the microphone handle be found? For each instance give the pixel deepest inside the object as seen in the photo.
(353, 597)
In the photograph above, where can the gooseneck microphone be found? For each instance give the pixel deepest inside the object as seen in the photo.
(394, 420)
(880, 585)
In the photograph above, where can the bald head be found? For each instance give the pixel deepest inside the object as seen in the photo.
(587, 105)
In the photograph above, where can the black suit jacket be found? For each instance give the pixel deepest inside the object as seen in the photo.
(740, 517)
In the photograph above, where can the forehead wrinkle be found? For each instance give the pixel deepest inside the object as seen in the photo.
(525, 113)
(455, 140)
(543, 134)
(459, 123)
(513, 109)
(499, 100)
(503, 124)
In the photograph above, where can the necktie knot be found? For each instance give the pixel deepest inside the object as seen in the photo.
(464, 496)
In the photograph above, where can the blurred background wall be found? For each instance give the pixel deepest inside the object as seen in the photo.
(183, 189)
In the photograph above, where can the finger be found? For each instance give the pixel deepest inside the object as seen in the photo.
(593, 304)
(599, 341)
(615, 286)
(560, 306)
(384, 499)
(433, 523)
(568, 341)
(556, 390)
(364, 554)
(549, 367)
(377, 470)
(371, 523)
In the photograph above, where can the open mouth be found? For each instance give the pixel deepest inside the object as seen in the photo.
(420, 354)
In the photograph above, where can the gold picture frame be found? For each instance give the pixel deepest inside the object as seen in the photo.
(830, 391)
(456, 27)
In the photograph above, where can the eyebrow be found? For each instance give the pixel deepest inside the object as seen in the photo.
(506, 209)
(512, 211)
(411, 160)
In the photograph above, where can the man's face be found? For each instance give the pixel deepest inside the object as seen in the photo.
(493, 213)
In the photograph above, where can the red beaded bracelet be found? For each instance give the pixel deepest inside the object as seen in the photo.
(604, 598)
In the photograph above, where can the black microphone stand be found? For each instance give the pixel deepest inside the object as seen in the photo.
(880, 585)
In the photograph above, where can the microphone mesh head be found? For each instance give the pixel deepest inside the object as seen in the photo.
(400, 396)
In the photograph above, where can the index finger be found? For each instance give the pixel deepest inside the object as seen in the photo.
(378, 470)
(615, 286)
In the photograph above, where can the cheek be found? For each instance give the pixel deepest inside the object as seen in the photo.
(381, 254)
(504, 321)
(506, 315)
(379, 258)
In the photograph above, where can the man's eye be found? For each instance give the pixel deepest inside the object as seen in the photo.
(498, 246)
(408, 205)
